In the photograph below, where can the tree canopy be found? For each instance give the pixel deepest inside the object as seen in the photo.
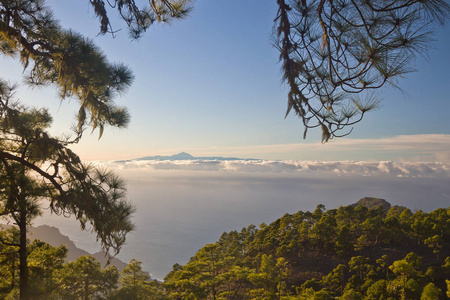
(85, 279)
(347, 253)
(334, 54)
(139, 19)
(36, 167)
(74, 63)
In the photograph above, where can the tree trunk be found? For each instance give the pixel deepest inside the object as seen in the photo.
(86, 289)
(23, 267)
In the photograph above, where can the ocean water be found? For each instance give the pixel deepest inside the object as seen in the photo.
(178, 210)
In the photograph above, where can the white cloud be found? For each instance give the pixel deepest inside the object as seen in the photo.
(426, 155)
(344, 168)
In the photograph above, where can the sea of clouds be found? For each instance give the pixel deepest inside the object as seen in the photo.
(359, 168)
(182, 205)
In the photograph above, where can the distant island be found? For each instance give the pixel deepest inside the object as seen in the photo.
(187, 156)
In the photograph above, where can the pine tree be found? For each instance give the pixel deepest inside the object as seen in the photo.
(85, 279)
(35, 166)
(334, 54)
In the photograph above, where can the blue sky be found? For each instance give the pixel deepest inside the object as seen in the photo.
(210, 85)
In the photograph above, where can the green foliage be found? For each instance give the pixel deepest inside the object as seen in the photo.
(35, 167)
(351, 294)
(137, 284)
(377, 291)
(54, 55)
(216, 271)
(270, 281)
(85, 279)
(430, 292)
(319, 255)
(250, 265)
(8, 261)
(448, 288)
(52, 279)
(44, 261)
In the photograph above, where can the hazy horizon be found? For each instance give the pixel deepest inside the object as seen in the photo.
(182, 205)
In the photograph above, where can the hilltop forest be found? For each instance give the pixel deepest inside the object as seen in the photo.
(368, 250)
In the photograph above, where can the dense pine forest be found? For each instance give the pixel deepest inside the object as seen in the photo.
(368, 250)
(353, 252)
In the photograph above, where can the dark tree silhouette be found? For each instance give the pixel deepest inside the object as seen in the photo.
(35, 167)
(335, 53)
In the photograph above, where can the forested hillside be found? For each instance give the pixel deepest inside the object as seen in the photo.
(50, 278)
(352, 252)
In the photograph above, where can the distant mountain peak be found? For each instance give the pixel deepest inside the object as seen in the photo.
(187, 156)
(182, 155)
(372, 203)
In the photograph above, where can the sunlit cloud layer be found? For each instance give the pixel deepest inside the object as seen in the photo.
(344, 168)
